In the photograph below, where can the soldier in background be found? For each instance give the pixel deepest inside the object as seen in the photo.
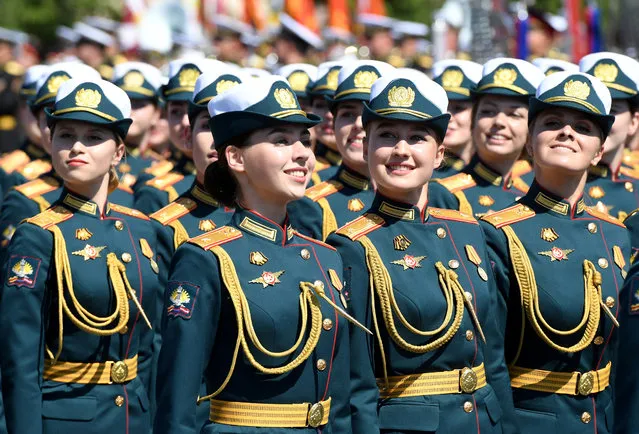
(10, 76)
(295, 42)
(91, 48)
(377, 35)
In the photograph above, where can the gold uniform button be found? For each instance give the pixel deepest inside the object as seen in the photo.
(599, 340)
(126, 257)
(305, 254)
(441, 232)
(592, 228)
(327, 324)
(468, 407)
(119, 225)
(470, 335)
(119, 400)
(628, 186)
(453, 263)
(610, 302)
(321, 364)
(603, 262)
(586, 417)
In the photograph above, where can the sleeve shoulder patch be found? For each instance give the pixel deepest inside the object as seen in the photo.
(630, 173)
(451, 214)
(159, 168)
(38, 187)
(23, 271)
(165, 181)
(182, 298)
(173, 211)
(13, 160)
(323, 189)
(314, 241)
(51, 217)
(128, 211)
(459, 182)
(513, 214)
(216, 237)
(603, 216)
(361, 226)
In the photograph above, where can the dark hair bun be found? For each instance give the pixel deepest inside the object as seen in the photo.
(220, 183)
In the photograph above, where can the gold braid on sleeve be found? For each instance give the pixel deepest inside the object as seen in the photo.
(530, 298)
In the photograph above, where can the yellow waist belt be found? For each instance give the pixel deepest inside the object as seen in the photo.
(465, 380)
(91, 373)
(8, 123)
(270, 415)
(566, 383)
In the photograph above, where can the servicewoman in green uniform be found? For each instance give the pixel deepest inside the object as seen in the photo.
(492, 179)
(458, 78)
(336, 201)
(195, 211)
(611, 187)
(320, 92)
(142, 83)
(419, 277)
(559, 266)
(263, 323)
(79, 285)
(164, 181)
(30, 198)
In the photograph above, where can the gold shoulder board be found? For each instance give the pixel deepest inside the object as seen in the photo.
(451, 214)
(50, 217)
(521, 185)
(35, 168)
(361, 226)
(630, 173)
(320, 165)
(173, 211)
(603, 216)
(458, 182)
(323, 189)
(165, 181)
(521, 167)
(13, 160)
(515, 213)
(159, 168)
(125, 187)
(38, 187)
(216, 237)
(128, 211)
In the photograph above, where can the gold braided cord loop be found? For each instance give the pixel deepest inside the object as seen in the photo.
(180, 235)
(530, 297)
(308, 300)
(329, 223)
(381, 284)
(89, 323)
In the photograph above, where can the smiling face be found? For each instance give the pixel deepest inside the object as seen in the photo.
(349, 135)
(458, 134)
(204, 152)
(83, 153)
(402, 157)
(501, 127)
(625, 126)
(178, 118)
(564, 140)
(276, 166)
(324, 131)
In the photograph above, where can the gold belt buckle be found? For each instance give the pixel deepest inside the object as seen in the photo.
(315, 415)
(468, 380)
(119, 372)
(585, 383)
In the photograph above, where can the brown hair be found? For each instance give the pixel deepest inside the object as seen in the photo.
(219, 181)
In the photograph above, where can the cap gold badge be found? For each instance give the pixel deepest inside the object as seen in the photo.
(188, 77)
(400, 96)
(452, 78)
(365, 79)
(224, 85)
(504, 76)
(606, 72)
(88, 98)
(285, 98)
(298, 81)
(577, 89)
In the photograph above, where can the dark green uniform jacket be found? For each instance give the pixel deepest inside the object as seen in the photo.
(614, 192)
